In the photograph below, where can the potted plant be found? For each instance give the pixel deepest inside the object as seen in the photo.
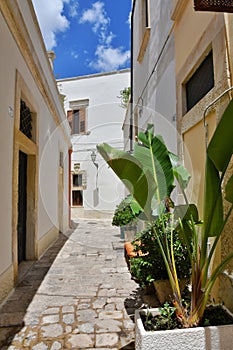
(159, 328)
(149, 268)
(125, 217)
(149, 176)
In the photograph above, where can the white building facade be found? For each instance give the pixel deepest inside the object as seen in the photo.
(95, 115)
(34, 143)
(153, 92)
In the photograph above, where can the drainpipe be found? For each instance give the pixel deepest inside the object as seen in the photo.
(229, 36)
(131, 83)
(69, 185)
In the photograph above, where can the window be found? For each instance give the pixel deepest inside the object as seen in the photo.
(25, 120)
(77, 198)
(77, 116)
(213, 5)
(77, 179)
(79, 184)
(201, 82)
(77, 120)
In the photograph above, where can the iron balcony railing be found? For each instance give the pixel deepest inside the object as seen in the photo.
(214, 5)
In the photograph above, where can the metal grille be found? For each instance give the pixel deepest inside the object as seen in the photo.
(25, 120)
(201, 82)
(214, 5)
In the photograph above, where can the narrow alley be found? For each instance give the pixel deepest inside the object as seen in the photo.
(79, 295)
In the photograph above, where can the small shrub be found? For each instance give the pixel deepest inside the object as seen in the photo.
(124, 214)
(151, 266)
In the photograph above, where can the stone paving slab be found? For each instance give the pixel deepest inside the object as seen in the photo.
(82, 300)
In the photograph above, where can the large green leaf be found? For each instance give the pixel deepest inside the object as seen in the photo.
(186, 212)
(213, 209)
(221, 145)
(154, 157)
(219, 153)
(180, 172)
(135, 207)
(130, 171)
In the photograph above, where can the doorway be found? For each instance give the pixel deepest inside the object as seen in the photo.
(22, 206)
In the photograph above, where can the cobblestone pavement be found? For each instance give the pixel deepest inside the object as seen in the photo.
(85, 300)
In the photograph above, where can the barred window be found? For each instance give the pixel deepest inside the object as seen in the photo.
(213, 5)
(25, 120)
(201, 82)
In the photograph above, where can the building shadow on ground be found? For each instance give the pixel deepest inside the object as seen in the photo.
(14, 309)
(130, 346)
(138, 299)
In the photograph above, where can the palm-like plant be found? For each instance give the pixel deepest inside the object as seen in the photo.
(149, 175)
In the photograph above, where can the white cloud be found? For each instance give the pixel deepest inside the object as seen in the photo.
(74, 54)
(129, 19)
(96, 16)
(109, 58)
(51, 19)
(73, 9)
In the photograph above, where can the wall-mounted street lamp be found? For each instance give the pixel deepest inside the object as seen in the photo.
(93, 158)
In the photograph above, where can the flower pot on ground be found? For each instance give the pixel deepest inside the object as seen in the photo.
(198, 338)
(122, 232)
(125, 217)
(130, 232)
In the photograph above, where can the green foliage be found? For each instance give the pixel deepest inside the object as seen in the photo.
(142, 269)
(126, 212)
(124, 96)
(214, 315)
(165, 320)
(149, 176)
(150, 266)
(131, 172)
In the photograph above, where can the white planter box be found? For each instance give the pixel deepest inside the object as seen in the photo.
(199, 338)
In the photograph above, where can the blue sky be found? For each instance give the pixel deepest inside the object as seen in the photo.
(87, 36)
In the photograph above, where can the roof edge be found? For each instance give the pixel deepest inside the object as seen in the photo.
(95, 75)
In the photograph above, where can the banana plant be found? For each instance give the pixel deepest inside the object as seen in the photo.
(149, 174)
(217, 189)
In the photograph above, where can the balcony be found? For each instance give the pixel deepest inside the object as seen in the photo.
(213, 5)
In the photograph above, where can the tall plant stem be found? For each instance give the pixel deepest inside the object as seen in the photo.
(205, 238)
